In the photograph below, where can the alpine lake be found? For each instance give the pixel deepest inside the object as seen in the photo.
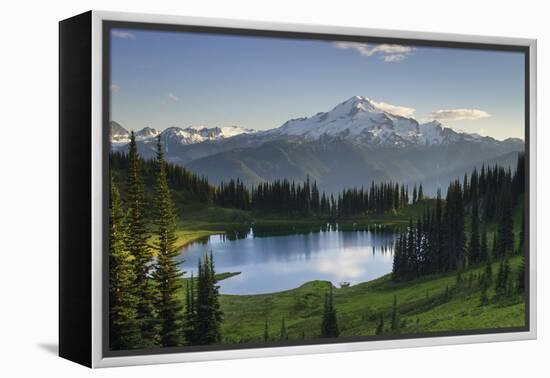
(277, 261)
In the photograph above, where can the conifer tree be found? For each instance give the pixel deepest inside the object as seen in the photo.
(522, 234)
(190, 315)
(484, 297)
(503, 276)
(420, 193)
(329, 325)
(208, 311)
(454, 237)
(488, 273)
(439, 264)
(166, 273)
(136, 242)
(283, 333)
(484, 248)
(266, 331)
(380, 326)
(465, 187)
(397, 260)
(217, 314)
(124, 330)
(394, 316)
(474, 250)
(521, 276)
(495, 252)
(505, 241)
(411, 251)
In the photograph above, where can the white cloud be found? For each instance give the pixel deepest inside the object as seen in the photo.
(391, 49)
(123, 34)
(388, 53)
(395, 109)
(394, 58)
(362, 48)
(173, 97)
(458, 114)
(115, 88)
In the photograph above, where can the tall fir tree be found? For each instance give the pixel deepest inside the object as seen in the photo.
(397, 267)
(521, 276)
(329, 324)
(454, 233)
(217, 314)
(124, 330)
(439, 263)
(283, 335)
(505, 241)
(484, 247)
(522, 234)
(394, 316)
(266, 331)
(166, 273)
(494, 245)
(380, 326)
(484, 296)
(503, 277)
(474, 252)
(208, 310)
(190, 314)
(487, 275)
(136, 241)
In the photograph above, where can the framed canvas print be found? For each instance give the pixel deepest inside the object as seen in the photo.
(235, 189)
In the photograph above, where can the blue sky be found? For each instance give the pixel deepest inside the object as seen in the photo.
(163, 79)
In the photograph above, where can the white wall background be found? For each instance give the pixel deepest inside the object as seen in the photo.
(28, 189)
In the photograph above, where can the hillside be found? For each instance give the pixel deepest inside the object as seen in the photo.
(335, 163)
(423, 306)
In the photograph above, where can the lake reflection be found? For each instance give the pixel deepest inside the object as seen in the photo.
(275, 263)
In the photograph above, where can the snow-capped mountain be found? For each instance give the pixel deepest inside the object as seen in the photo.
(119, 134)
(360, 120)
(120, 137)
(146, 133)
(355, 142)
(370, 142)
(198, 134)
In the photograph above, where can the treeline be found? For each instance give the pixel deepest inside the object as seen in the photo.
(179, 179)
(144, 279)
(437, 241)
(494, 185)
(281, 196)
(305, 198)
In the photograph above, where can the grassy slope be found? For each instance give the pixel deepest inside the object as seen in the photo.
(421, 305)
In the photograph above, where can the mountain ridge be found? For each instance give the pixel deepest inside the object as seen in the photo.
(358, 119)
(353, 143)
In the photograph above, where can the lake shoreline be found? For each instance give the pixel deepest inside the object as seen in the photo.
(188, 237)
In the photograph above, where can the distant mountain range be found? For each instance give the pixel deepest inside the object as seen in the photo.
(120, 137)
(351, 145)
